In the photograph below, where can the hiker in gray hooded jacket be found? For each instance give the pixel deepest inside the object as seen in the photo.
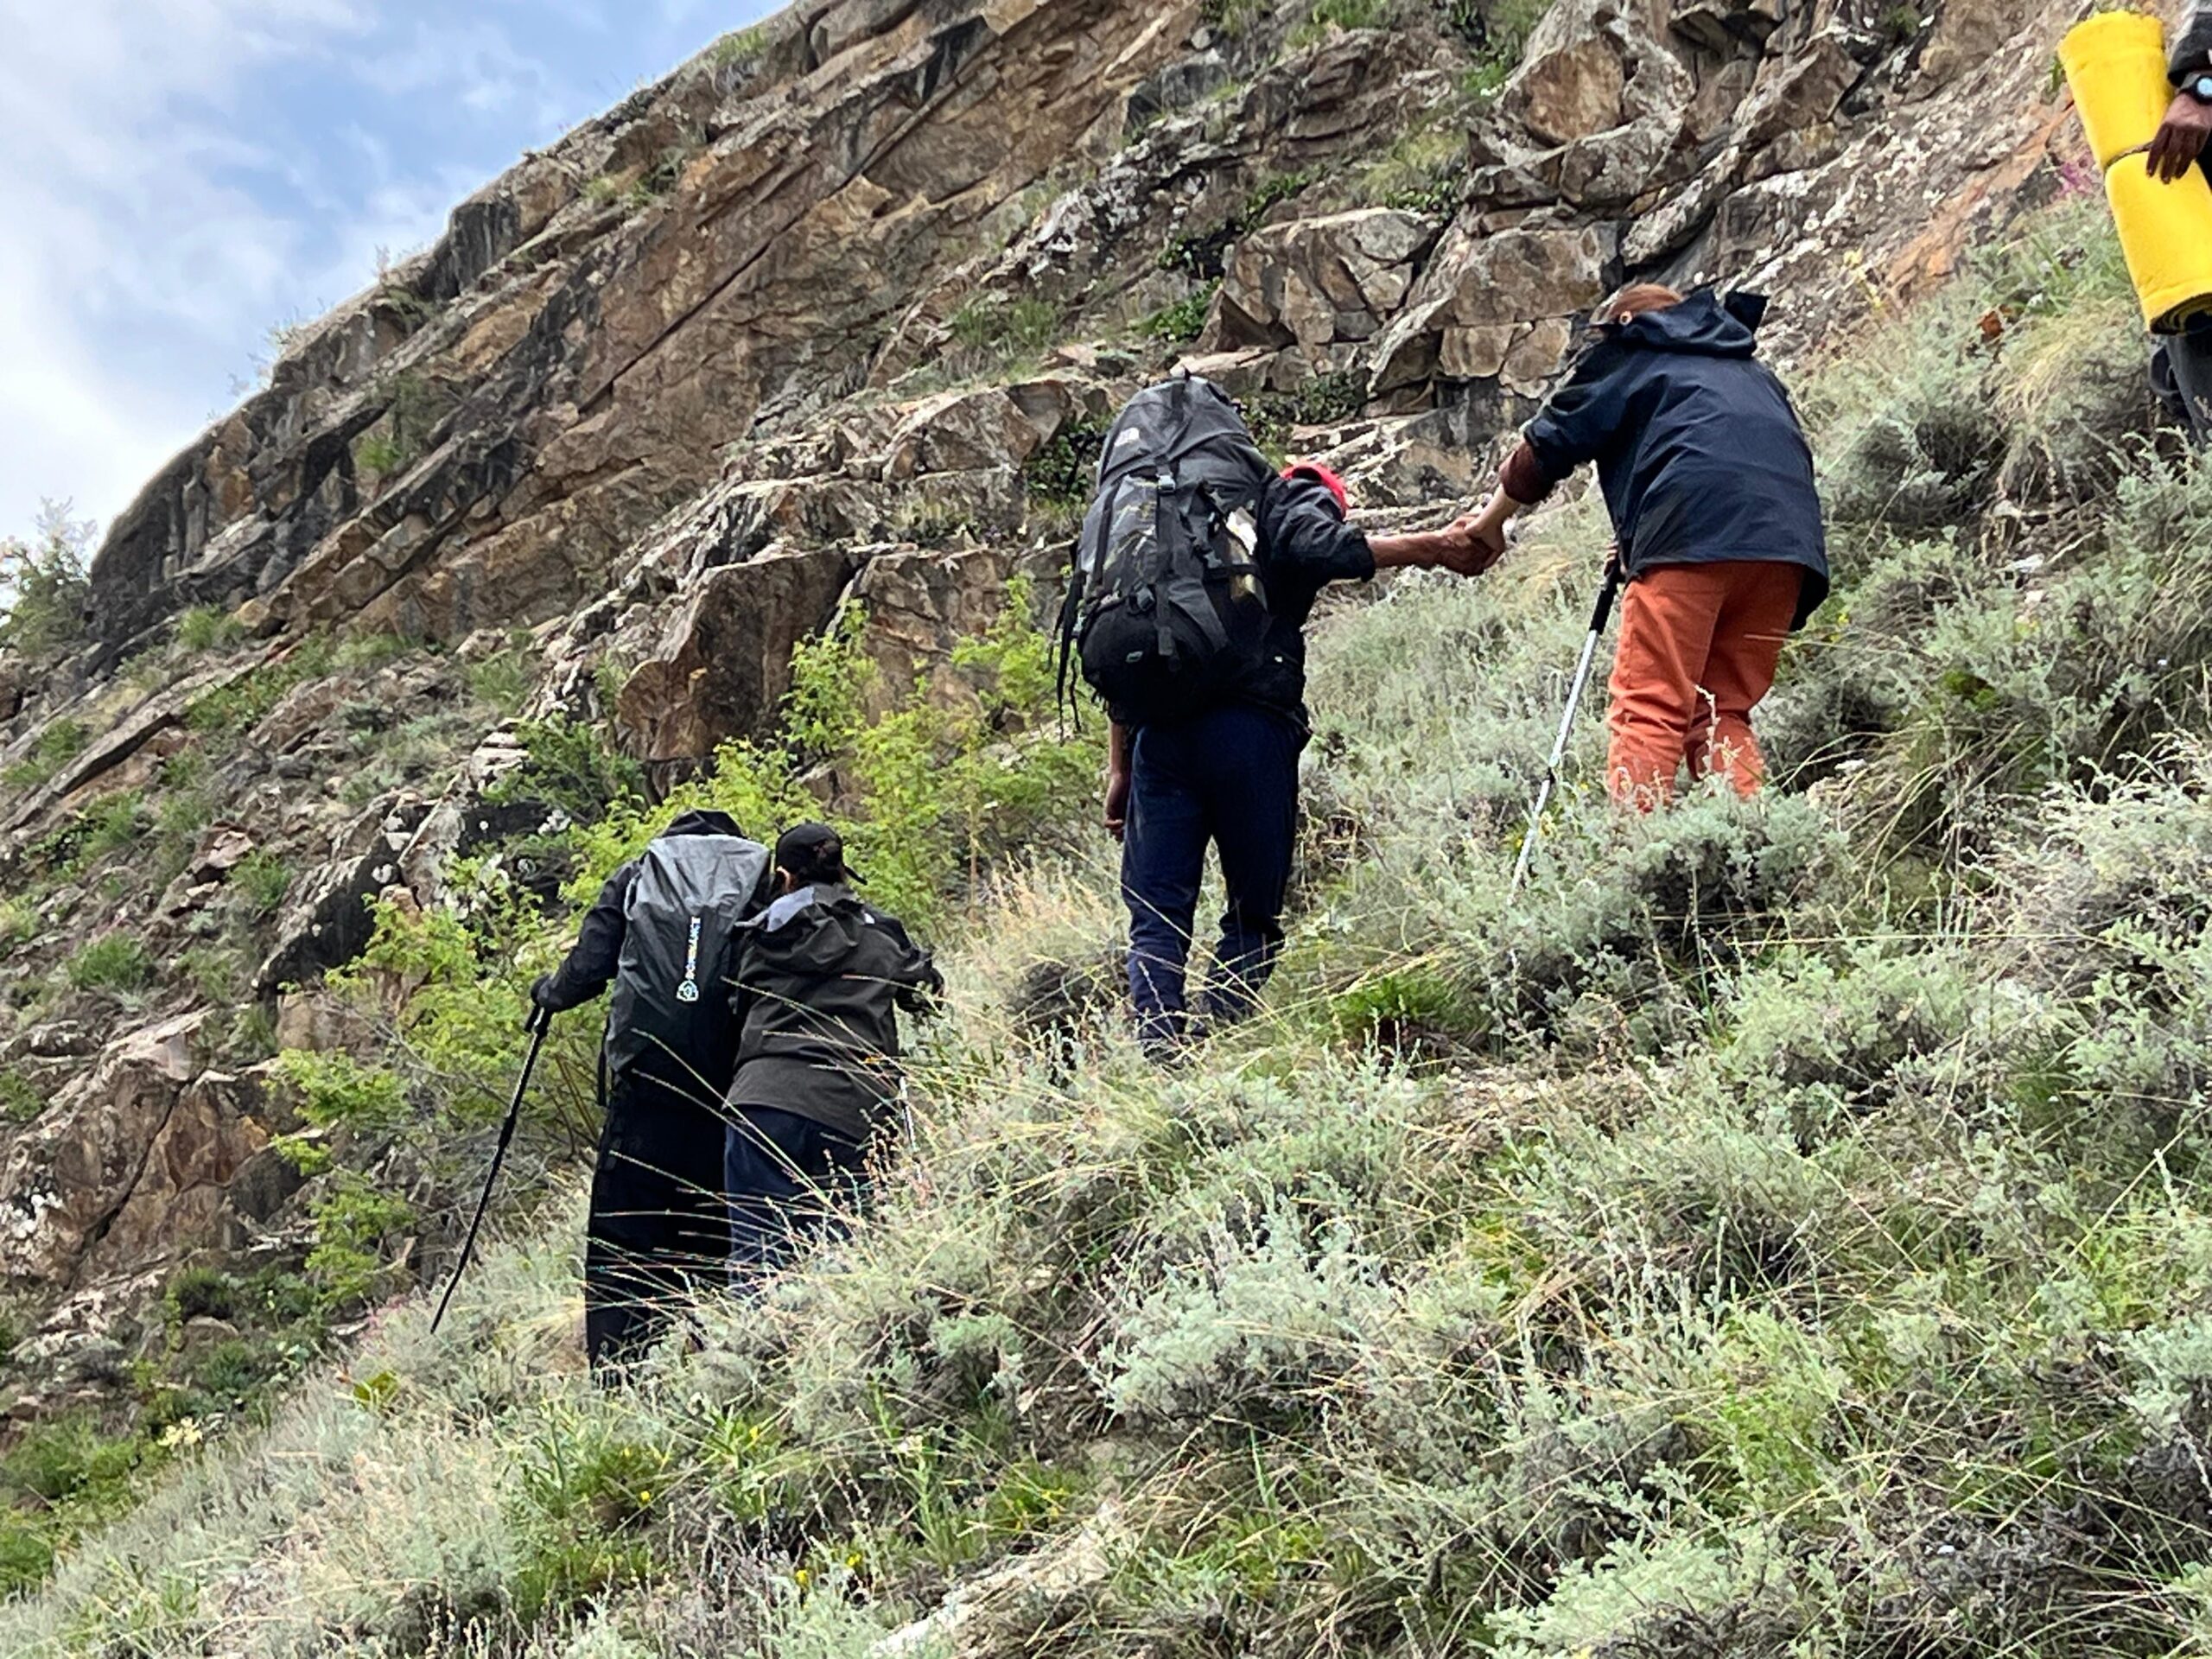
(2182, 368)
(819, 981)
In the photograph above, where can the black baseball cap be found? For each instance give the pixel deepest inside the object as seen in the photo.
(814, 846)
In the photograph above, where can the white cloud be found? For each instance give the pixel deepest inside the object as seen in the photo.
(176, 176)
(135, 257)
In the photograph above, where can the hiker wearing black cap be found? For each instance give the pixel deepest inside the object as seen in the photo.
(660, 934)
(2181, 367)
(817, 983)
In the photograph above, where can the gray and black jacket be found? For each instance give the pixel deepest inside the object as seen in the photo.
(2192, 50)
(819, 981)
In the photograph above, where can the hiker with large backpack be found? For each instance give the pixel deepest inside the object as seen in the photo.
(1708, 478)
(1198, 567)
(661, 933)
(817, 983)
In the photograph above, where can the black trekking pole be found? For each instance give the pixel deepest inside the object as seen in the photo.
(1599, 619)
(541, 1022)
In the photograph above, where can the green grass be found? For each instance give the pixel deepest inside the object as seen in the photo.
(206, 627)
(262, 880)
(59, 743)
(1182, 322)
(118, 962)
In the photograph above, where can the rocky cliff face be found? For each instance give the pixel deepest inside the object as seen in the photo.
(839, 310)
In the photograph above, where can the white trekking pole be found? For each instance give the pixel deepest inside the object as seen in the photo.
(1598, 618)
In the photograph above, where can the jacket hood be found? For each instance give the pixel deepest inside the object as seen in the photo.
(704, 824)
(813, 931)
(1703, 323)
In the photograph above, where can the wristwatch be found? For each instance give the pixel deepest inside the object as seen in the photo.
(2199, 87)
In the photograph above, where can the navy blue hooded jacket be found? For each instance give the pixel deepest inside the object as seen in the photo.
(1698, 450)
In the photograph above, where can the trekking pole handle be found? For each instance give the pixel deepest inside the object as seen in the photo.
(1606, 596)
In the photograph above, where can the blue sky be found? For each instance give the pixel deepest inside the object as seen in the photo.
(177, 177)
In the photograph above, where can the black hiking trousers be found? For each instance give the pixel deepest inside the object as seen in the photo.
(659, 1232)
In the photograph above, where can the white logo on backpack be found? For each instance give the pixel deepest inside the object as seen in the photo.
(689, 990)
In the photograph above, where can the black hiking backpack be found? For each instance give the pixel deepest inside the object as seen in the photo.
(672, 1007)
(1167, 606)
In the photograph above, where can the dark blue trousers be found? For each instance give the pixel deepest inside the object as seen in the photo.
(1227, 780)
(789, 1179)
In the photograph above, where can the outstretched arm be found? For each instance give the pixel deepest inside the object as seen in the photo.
(590, 966)
(1456, 547)
(920, 986)
(1522, 483)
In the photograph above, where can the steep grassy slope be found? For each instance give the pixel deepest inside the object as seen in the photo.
(1785, 1231)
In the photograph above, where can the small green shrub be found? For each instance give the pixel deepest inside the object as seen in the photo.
(1061, 473)
(1182, 322)
(996, 332)
(202, 1293)
(741, 46)
(20, 1100)
(1325, 400)
(262, 880)
(354, 1229)
(230, 712)
(503, 681)
(208, 627)
(573, 766)
(61, 742)
(118, 962)
(217, 973)
(1233, 17)
(45, 585)
(1328, 15)
(338, 1092)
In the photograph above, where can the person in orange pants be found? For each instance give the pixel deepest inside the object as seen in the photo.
(1709, 481)
(1699, 647)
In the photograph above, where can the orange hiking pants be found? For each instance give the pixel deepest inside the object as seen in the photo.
(1699, 647)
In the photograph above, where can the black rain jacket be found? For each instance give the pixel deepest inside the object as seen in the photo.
(1699, 452)
(820, 978)
(1305, 544)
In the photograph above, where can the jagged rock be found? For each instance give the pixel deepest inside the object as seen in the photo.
(1725, 25)
(57, 1039)
(921, 605)
(724, 659)
(971, 432)
(327, 921)
(1964, 30)
(136, 1164)
(1481, 295)
(143, 726)
(1572, 90)
(784, 251)
(1314, 282)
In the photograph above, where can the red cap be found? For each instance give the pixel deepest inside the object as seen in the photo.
(1321, 475)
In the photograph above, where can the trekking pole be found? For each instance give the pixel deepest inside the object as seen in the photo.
(1599, 619)
(541, 1022)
